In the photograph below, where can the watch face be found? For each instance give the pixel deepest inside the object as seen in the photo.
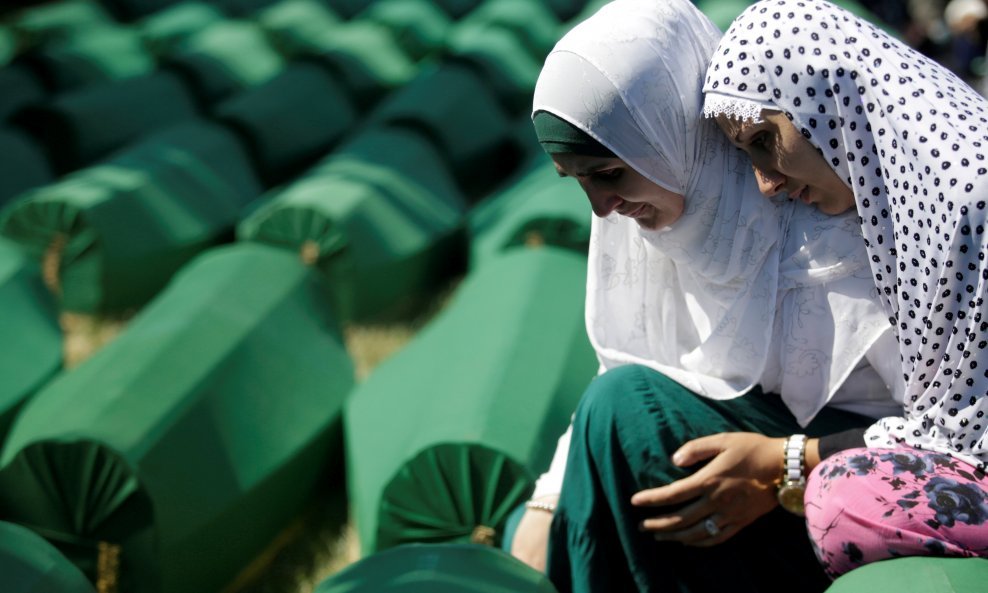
(791, 497)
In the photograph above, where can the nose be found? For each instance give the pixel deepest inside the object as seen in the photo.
(770, 182)
(602, 202)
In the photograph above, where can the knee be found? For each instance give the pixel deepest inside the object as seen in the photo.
(608, 397)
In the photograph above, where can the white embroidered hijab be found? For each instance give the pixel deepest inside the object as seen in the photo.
(910, 139)
(739, 290)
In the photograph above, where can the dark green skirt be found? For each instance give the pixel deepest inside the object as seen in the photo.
(627, 426)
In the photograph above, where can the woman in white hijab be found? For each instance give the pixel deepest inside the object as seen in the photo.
(699, 291)
(835, 112)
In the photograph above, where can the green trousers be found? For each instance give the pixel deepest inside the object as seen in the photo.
(627, 426)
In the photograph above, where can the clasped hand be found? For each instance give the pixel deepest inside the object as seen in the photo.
(736, 487)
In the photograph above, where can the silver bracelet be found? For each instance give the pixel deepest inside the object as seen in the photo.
(538, 505)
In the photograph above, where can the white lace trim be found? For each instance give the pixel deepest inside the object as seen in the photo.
(715, 104)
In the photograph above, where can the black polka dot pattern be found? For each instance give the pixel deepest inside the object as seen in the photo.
(911, 140)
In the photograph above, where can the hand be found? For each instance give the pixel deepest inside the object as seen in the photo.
(736, 487)
(531, 541)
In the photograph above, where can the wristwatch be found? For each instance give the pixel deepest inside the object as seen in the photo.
(792, 487)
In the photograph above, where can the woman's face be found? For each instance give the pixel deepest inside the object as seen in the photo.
(613, 186)
(785, 161)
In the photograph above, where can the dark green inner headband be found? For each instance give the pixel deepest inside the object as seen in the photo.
(557, 135)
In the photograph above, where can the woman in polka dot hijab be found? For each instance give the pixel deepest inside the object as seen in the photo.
(907, 140)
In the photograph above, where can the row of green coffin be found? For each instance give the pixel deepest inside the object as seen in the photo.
(348, 67)
(196, 38)
(188, 442)
(31, 565)
(113, 234)
(398, 242)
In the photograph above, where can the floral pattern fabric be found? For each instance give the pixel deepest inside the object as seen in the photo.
(864, 505)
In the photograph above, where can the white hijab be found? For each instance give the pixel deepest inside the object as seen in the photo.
(739, 291)
(910, 139)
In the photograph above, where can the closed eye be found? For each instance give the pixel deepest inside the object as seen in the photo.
(609, 174)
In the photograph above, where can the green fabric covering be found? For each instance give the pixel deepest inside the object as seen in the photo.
(380, 216)
(419, 26)
(8, 45)
(458, 109)
(291, 24)
(585, 8)
(29, 564)
(446, 437)
(438, 568)
(535, 208)
(31, 343)
(570, 9)
(557, 136)
(132, 10)
(290, 121)
(92, 57)
(58, 21)
(226, 58)
(79, 127)
(114, 233)
(194, 437)
(348, 8)
(21, 86)
(499, 54)
(365, 56)
(23, 166)
(532, 21)
(916, 575)
(167, 29)
(459, 8)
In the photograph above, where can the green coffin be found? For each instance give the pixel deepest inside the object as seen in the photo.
(446, 437)
(289, 23)
(537, 208)
(438, 568)
(532, 21)
(185, 445)
(224, 59)
(380, 216)
(168, 28)
(419, 26)
(29, 564)
(290, 121)
(916, 575)
(364, 56)
(82, 126)
(459, 110)
(23, 166)
(457, 9)
(500, 55)
(113, 234)
(30, 339)
(570, 9)
(21, 86)
(90, 57)
(50, 22)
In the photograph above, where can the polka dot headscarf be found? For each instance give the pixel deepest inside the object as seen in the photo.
(910, 138)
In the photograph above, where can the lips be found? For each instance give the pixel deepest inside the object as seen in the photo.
(803, 193)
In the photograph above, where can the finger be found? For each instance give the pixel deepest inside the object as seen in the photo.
(696, 534)
(680, 519)
(726, 532)
(698, 450)
(682, 490)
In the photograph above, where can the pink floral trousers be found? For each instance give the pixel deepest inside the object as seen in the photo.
(864, 505)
